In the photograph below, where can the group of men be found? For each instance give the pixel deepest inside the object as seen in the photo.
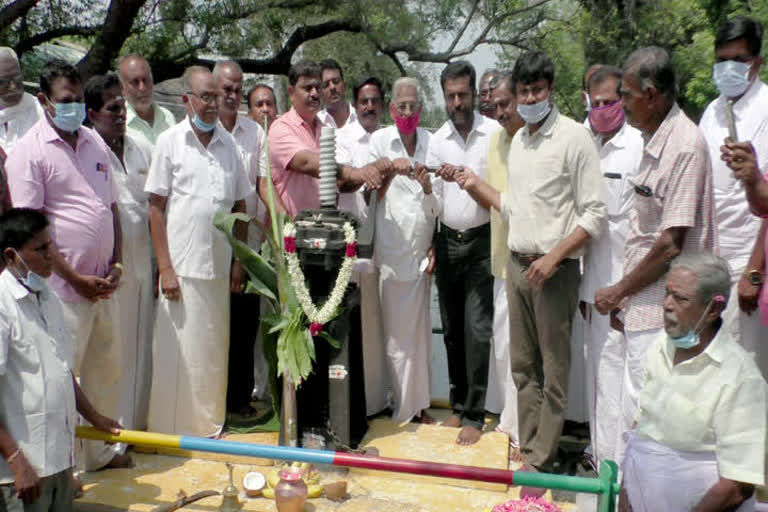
(539, 229)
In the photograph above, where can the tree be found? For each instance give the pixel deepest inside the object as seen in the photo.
(264, 35)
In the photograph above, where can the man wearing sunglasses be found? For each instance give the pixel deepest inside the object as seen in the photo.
(735, 73)
(19, 110)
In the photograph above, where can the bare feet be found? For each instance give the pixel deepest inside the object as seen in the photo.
(120, 461)
(77, 486)
(453, 421)
(533, 492)
(425, 418)
(468, 435)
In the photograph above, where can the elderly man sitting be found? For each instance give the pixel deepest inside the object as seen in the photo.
(699, 439)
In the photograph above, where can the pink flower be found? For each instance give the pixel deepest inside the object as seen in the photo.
(351, 250)
(290, 244)
(315, 328)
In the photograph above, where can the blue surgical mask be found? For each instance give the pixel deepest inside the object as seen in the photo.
(691, 338)
(69, 116)
(731, 77)
(32, 280)
(533, 114)
(200, 124)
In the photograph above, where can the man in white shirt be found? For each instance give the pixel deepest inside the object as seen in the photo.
(146, 119)
(18, 110)
(353, 155)
(463, 250)
(244, 326)
(262, 104)
(405, 222)
(196, 172)
(699, 437)
(621, 148)
(554, 205)
(338, 111)
(130, 159)
(38, 392)
(740, 233)
(485, 105)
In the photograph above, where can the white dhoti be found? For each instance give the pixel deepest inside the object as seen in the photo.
(408, 336)
(95, 329)
(637, 343)
(501, 395)
(577, 408)
(658, 478)
(189, 350)
(605, 376)
(748, 330)
(377, 382)
(137, 314)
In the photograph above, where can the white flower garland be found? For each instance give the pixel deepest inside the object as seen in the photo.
(319, 317)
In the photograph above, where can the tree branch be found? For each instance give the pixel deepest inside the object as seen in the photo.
(14, 11)
(43, 37)
(463, 29)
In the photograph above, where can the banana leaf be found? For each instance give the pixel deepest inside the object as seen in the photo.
(263, 275)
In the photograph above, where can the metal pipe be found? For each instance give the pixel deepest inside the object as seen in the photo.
(605, 485)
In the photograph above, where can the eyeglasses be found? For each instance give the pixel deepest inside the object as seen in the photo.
(404, 107)
(210, 99)
(16, 80)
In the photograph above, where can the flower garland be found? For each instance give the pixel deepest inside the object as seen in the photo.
(319, 317)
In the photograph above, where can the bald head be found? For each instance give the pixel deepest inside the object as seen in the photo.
(136, 80)
(229, 86)
(200, 96)
(11, 81)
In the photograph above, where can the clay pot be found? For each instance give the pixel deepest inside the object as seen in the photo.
(291, 491)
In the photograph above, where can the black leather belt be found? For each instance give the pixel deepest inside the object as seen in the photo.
(465, 235)
(525, 260)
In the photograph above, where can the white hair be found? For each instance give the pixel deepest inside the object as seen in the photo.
(406, 81)
(8, 53)
(231, 64)
(712, 272)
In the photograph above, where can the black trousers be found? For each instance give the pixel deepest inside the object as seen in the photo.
(244, 326)
(465, 288)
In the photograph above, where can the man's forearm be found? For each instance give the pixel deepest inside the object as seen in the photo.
(82, 404)
(117, 250)
(62, 268)
(350, 179)
(724, 495)
(305, 162)
(570, 244)
(656, 263)
(8, 445)
(484, 194)
(241, 228)
(757, 196)
(158, 232)
(757, 258)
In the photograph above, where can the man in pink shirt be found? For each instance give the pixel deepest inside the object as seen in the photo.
(294, 141)
(63, 169)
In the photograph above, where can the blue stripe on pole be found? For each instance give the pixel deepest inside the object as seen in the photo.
(256, 450)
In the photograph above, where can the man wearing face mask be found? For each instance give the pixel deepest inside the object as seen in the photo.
(405, 222)
(699, 437)
(130, 158)
(39, 395)
(196, 171)
(620, 147)
(64, 169)
(19, 110)
(463, 250)
(740, 233)
(671, 209)
(554, 205)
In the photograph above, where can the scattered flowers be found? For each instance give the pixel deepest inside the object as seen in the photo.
(526, 504)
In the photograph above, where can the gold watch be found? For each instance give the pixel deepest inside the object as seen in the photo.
(119, 266)
(754, 276)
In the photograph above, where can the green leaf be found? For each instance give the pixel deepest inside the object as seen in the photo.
(330, 339)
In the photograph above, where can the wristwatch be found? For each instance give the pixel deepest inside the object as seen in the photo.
(754, 276)
(119, 266)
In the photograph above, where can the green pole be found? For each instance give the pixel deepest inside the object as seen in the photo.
(606, 500)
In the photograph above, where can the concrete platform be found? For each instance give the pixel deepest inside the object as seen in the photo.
(157, 478)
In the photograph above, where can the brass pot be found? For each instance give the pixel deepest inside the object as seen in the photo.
(291, 490)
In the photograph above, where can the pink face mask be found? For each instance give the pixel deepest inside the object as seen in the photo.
(608, 118)
(405, 125)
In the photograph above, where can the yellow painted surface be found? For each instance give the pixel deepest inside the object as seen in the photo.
(157, 479)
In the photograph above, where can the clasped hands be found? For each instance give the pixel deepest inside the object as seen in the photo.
(378, 174)
(740, 157)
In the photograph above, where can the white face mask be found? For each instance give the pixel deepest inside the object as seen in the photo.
(731, 77)
(533, 114)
